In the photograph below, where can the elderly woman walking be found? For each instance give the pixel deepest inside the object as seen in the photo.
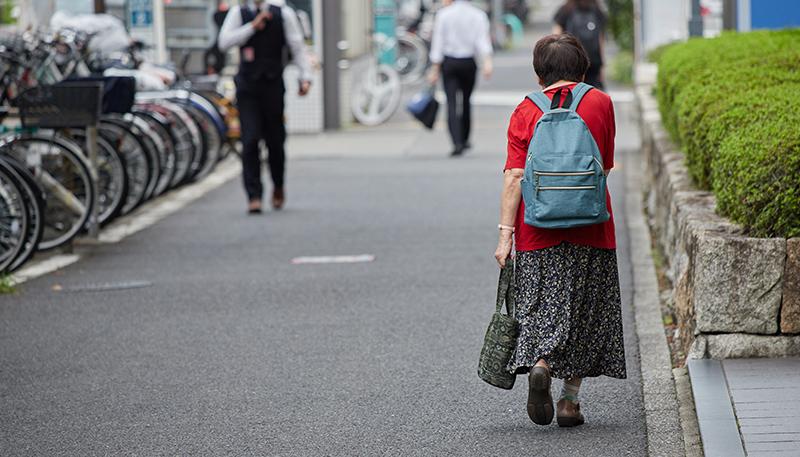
(568, 295)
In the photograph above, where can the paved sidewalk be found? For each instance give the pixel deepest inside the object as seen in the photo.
(748, 406)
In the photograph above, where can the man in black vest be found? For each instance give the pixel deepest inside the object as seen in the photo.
(263, 31)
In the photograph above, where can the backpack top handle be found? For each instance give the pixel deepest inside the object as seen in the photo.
(556, 103)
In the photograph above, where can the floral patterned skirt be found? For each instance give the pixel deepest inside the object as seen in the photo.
(570, 312)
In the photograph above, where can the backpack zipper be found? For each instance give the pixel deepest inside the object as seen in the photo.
(566, 188)
(563, 173)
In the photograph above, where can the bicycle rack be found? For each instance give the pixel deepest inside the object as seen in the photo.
(69, 104)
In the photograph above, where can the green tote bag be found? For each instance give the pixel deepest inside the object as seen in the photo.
(501, 336)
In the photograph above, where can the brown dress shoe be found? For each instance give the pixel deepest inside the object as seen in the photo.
(540, 402)
(254, 206)
(278, 199)
(569, 413)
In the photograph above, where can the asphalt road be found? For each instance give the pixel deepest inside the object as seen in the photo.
(227, 348)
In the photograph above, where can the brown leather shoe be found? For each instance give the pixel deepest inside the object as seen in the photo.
(254, 206)
(569, 413)
(540, 402)
(278, 199)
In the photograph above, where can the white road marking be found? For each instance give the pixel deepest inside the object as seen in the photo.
(43, 267)
(334, 259)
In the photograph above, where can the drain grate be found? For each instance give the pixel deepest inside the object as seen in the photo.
(108, 286)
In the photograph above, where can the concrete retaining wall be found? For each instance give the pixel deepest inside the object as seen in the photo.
(734, 295)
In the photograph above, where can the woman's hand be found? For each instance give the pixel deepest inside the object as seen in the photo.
(503, 248)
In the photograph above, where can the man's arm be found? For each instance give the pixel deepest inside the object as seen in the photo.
(294, 37)
(436, 54)
(233, 33)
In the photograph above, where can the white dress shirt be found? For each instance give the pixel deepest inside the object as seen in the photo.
(460, 30)
(234, 33)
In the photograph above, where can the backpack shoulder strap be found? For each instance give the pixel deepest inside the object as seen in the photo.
(541, 100)
(578, 92)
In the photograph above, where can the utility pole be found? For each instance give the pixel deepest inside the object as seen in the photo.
(696, 21)
(497, 19)
(729, 15)
(332, 47)
(99, 6)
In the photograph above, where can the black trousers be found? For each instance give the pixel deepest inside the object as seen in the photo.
(260, 105)
(458, 76)
(593, 76)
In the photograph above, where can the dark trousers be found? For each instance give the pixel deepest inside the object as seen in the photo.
(593, 76)
(458, 76)
(260, 107)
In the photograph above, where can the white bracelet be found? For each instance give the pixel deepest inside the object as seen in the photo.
(505, 227)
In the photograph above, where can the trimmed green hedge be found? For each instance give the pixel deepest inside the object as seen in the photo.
(733, 104)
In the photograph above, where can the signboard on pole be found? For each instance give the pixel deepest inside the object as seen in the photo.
(75, 6)
(140, 13)
(145, 20)
(385, 12)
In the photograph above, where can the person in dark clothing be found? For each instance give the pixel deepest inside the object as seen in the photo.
(263, 31)
(460, 33)
(585, 20)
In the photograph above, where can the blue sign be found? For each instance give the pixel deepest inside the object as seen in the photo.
(140, 13)
(774, 14)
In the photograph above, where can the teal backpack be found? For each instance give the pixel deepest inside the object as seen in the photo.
(563, 185)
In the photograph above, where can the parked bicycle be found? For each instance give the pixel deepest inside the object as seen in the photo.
(376, 92)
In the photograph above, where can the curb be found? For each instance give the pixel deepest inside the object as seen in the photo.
(664, 432)
(715, 416)
(689, 423)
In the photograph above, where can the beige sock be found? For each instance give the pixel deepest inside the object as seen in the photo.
(570, 391)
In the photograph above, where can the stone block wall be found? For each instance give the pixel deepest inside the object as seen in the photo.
(734, 295)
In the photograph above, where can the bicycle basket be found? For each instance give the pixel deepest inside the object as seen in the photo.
(119, 92)
(66, 105)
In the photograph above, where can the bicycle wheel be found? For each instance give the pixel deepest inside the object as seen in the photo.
(34, 200)
(14, 217)
(154, 129)
(376, 95)
(157, 154)
(112, 180)
(215, 112)
(135, 158)
(61, 170)
(412, 58)
(230, 117)
(131, 127)
(198, 151)
(185, 136)
(211, 140)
